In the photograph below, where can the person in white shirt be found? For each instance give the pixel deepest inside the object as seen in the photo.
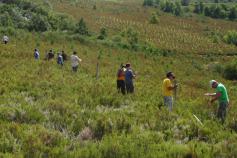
(75, 61)
(5, 39)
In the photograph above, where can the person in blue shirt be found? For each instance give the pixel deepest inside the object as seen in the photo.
(60, 59)
(129, 76)
(36, 54)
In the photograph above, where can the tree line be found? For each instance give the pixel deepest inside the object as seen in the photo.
(214, 10)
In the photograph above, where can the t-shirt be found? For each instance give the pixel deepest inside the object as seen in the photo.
(166, 91)
(36, 55)
(129, 75)
(75, 60)
(224, 96)
(5, 38)
(60, 59)
(121, 74)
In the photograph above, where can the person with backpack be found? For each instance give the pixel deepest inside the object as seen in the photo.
(129, 76)
(36, 54)
(64, 56)
(121, 79)
(60, 59)
(75, 61)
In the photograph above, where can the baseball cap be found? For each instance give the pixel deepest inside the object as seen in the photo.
(212, 81)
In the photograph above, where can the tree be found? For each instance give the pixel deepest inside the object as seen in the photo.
(103, 34)
(39, 23)
(154, 19)
(207, 11)
(148, 3)
(185, 2)
(178, 9)
(198, 7)
(233, 13)
(81, 27)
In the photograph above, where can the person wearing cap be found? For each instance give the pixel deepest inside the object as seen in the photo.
(222, 96)
(36, 54)
(167, 90)
(129, 76)
(121, 79)
(75, 61)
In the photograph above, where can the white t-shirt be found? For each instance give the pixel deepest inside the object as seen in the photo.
(75, 60)
(5, 38)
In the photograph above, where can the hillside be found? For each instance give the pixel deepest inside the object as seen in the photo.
(49, 111)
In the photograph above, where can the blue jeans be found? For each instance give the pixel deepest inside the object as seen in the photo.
(168, 101)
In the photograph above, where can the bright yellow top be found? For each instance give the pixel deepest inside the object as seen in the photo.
(167, 83)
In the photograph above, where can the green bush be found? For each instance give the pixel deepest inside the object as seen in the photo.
(230, 71)
(231, 37)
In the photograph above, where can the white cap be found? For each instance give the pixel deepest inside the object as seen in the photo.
(212, 81)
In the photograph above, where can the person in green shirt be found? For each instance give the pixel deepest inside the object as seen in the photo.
(222, 96)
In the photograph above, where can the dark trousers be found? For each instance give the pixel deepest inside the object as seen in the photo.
(74, 68)
(121, 86)
(5, 42)
(129, 87)
(221, 113)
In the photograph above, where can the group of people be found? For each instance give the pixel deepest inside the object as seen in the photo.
(61, 57)
(125, 76)
(221, 95)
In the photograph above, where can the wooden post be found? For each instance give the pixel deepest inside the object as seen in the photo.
(175, 91)
(97, 71)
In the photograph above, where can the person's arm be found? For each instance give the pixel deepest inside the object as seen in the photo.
(215, 97)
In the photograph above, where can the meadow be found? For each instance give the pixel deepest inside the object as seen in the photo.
(49, 111)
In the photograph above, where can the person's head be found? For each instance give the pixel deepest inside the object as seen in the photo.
(213, 83)
(170, 75)
(35, 49)
(128, 65)
(50, 50)
(74, 52)
(62, 52)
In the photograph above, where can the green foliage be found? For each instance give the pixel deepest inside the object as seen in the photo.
(81, 27)
(231, 37)
(33, 17)
(154, 19)
(148, 3)
(103, 34)
(185, 2)
(230, 71)
(199, 7)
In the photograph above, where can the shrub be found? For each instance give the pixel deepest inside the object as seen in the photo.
(231, 37)
(230, 71)
(154, 19)
(81, 27)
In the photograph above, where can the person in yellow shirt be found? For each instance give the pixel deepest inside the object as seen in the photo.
(167, 89)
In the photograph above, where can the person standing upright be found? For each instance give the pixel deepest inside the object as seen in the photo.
(36, 54)
(75, 60)
(129, 76)
(121, 79)
(60, 59)
(167, 89)
(5, 39)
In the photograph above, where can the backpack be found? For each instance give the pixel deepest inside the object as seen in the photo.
(120, 73)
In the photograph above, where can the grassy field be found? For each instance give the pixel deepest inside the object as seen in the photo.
(48, 111)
